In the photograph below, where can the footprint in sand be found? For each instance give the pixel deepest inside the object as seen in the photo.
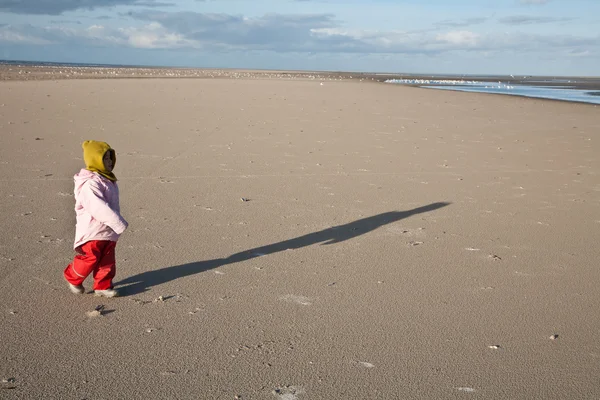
(288, 392)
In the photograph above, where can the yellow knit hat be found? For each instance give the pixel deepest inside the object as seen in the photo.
(93, 152)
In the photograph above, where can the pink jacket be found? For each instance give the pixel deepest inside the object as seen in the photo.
(97, 209)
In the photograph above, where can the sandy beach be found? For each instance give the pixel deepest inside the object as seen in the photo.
(394, 242)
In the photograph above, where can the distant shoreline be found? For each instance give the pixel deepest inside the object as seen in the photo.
(34, 70)
(29, 71)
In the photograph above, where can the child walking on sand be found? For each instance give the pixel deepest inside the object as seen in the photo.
(99, 221)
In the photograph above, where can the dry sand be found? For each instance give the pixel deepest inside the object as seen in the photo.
(345, 276)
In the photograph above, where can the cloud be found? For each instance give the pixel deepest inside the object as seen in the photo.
(150, 36)
(580, 53)
(65, 21)
(529, 20)
(268, 32)
(13, 36)
(155, 36)
(313, 33)
(460, 38)
(200, 33)
(57, 7)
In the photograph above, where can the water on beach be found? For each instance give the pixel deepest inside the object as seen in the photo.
(564, 91)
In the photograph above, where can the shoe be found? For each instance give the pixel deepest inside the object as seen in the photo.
(106, 293)
(76, 289)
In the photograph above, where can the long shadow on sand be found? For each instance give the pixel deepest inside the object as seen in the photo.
(142, 282)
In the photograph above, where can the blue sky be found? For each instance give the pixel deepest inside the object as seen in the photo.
(533, 37)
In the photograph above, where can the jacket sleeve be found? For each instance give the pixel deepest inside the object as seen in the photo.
(94, 201)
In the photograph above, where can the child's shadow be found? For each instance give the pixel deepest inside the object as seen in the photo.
(142, 282)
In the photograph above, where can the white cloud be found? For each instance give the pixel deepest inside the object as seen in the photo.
(459, 38)
(8, 35)
(155, 36)
(286, 34)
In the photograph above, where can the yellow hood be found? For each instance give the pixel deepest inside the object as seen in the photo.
(93, 152)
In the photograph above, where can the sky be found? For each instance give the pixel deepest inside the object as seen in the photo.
(519, 37)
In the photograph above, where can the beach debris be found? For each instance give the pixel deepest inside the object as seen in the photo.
(554, 337)
(168, 373)
(12, 312)
(471, 249)
(494, 257)
(366, 364)
(8, 380)
(39, 138)
(150, 330)
(245, 199)
(160, 298)
(332, 284)
(466, 389)
(97, 312)
(219, 272)
(415, 243)
(494, 346)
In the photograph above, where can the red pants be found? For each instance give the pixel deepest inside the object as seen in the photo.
(98, 257)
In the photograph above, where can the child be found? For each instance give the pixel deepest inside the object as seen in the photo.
(99, 222)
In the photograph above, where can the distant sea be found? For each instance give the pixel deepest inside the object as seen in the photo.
(584, 91)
